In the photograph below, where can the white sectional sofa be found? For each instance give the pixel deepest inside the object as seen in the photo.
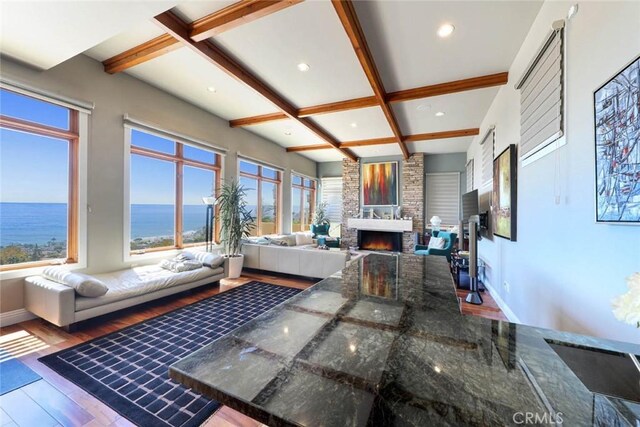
(305, 260)
(63, 306)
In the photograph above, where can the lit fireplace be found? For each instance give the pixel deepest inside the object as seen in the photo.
(380, 241)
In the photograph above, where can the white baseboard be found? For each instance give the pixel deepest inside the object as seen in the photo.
(16, 316)
(503, 305)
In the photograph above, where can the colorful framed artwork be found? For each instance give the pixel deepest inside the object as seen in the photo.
(380, 184)
(505, 187)
(617, 144)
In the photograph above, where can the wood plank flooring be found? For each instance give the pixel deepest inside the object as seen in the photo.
(54, 401)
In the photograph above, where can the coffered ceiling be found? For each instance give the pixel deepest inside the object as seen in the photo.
(377, 70)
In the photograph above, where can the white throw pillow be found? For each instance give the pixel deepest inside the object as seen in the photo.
(85, 285)
(436, 243)
(206, 258)
(304, 239)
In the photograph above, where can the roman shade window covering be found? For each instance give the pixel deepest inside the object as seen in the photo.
(443, 197)
(259, 162)
(542, 95)
(470, 175)
(130, 122)
(332, 196)
(487, 145)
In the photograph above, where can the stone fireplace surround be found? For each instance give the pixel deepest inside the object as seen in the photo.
(411, 197)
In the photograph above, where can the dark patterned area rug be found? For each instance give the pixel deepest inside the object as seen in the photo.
(128, 369)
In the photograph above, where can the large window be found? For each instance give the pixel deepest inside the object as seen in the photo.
(38, 182)
(303, 201)
(168, 180)
(262, 185)
(332, 197)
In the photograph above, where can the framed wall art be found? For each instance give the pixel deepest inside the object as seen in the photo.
(617, 144)
(505, 186)
(380, 184)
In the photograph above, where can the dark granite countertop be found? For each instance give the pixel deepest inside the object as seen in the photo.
(384, 343)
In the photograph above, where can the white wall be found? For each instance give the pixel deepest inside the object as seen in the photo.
(114, 95)
(565, 269)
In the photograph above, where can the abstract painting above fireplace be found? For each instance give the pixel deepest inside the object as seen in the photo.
(389, 241)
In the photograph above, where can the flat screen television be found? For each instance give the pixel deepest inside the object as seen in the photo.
(470, 205)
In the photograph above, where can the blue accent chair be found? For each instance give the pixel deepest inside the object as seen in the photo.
(449, 239)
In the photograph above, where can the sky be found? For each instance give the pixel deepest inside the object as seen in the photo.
(34, 169)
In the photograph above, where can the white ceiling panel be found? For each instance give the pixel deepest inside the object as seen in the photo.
(369, 123)
(277, 131)
(193, 10)
(378, 150)
(441, 146)
(45, 34)
(186, 75)
(323, 155)
(311, 33)
(124, 41)
(408, 52)
(462, 110)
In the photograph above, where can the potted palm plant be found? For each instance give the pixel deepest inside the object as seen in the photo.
(236, 223)
(320, 223)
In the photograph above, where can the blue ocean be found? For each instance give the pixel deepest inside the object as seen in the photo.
(30, 223)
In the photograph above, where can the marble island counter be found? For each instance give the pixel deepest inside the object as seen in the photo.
(384, 343)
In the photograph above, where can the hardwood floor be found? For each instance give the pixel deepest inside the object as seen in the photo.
(54, 401)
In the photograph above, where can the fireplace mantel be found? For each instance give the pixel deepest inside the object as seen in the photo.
(398, 225)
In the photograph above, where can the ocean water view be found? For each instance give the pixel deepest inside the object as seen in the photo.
(39, 223)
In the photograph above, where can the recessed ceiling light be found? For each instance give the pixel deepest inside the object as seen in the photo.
(445, 30)
(439, 114)
(354, 125)
(303, 67)
(423, 107)
(211, 89)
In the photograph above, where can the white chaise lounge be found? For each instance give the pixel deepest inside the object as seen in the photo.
(61, 305)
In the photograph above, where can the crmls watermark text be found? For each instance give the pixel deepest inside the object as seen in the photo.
(544, 418)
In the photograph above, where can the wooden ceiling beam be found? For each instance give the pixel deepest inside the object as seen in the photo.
(393, 97)
(215, 23)
(463, 85)
(349, 19)
(235, 15)
(141, 53)
(332, 107)
(179, 29)
(392, 140)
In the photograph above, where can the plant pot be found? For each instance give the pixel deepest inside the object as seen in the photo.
(235, 266)
(320, 230)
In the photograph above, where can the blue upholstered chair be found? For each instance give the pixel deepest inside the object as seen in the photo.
(449, 240)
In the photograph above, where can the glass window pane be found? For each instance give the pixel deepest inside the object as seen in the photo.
(308, 210)
(197, 183)
(34, 110)
(152, 142)
(269, 208)
(33, 197)
(251, 189)
(307, 182)
(296, 199)
(153, 193)
(247, 167)
(269, 173)
(296, 180)
(201, 155)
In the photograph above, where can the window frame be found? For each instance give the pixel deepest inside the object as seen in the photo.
(260, 178)
(72, 136)
(303, 188)
(179, 162)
